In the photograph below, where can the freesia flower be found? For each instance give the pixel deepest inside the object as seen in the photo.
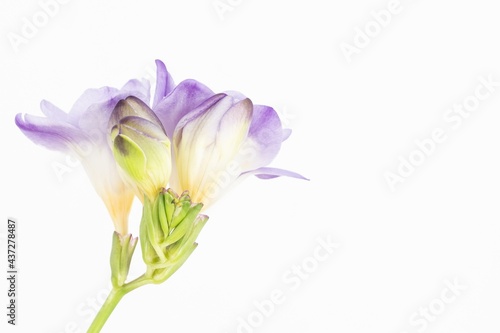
(200, 142)
(219, 139)
(84, 131)
(140, 147)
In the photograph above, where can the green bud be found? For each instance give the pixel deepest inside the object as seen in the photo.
(140, 147)
(121, 254)
(169, 228)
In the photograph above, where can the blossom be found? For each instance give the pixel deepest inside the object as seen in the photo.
(218, 140)
(84, 132)
(140, 147)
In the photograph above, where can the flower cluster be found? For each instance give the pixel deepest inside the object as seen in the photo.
(186, 137)
(195, 141)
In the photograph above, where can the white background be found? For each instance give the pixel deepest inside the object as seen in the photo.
(350, 121)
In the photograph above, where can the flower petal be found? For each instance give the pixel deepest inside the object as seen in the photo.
(84, 131)
(231, 132)
(104, 176)
(52, 134)
(93, 118)
(129, 156)
(233, 129)
(132, 107)
(286, 133)
(186, 97)
(264, 138)
(269, 173)
(138, 88)
(164, 83)
(52, 111)
(154, 144)
(194, 140)
(140, 146)
(143, 127)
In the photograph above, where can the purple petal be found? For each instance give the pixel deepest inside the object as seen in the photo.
(186, 97)
(216, 105)
(52, 111)
(235, 94)
(52, 134)
(104, 95)
(140, 89)
(264, 137)
(94, 116)
(164, 83)
(94, 121)
(132, 106)
(286, 133)
(89, 98)
(233, 125)
(270, 173)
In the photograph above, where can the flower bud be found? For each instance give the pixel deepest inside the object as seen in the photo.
(207, 142)
(169, 228)
(121, 256)
(140, 147)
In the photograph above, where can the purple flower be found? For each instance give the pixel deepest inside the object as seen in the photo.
(218, 139)
(84, 131)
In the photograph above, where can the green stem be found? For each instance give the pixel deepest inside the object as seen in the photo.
(109, 305)
(112, 301)
(139, 282)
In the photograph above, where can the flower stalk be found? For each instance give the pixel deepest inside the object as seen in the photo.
(112, 301)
